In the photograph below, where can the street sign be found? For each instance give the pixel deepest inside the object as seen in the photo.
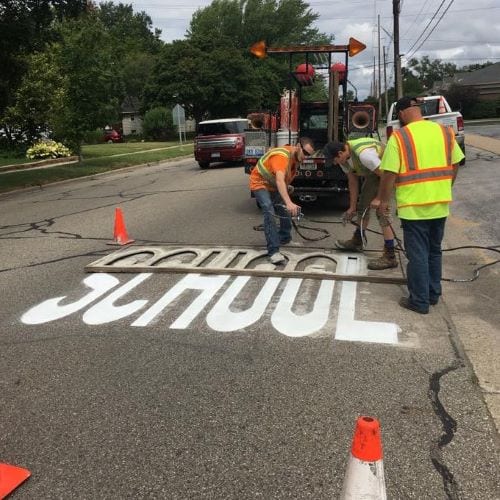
(179, 119)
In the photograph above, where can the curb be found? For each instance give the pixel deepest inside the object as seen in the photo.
(42, 163)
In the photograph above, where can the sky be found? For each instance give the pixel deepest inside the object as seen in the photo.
(457, 31)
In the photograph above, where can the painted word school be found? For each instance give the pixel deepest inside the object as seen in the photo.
(102, 291)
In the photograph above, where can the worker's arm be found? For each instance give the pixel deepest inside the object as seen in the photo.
(292, 208)
(386, 186)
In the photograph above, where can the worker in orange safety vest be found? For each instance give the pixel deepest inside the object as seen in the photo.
(421, 161)
(270, 184)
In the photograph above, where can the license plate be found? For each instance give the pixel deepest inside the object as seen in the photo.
(308, 166)
(254, 150)
(215, 155)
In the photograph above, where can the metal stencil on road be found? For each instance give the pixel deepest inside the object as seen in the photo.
(301, 263)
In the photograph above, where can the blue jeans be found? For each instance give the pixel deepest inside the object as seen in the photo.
(422, 239)
(272, 204)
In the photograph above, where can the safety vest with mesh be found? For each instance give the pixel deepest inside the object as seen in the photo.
(357, 146)
(266, 174)
(419, 185)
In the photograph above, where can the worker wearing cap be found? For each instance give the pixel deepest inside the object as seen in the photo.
(270, 183)
(360, 158)
(421, 161)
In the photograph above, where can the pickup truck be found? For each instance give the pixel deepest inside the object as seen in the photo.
(437, 109)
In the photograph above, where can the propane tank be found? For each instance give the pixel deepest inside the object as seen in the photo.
(340, 69)
(304, 73)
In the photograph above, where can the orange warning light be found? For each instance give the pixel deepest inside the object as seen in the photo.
(259, 49)
(355, 47)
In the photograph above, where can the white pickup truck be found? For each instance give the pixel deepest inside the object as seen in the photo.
(437, 109)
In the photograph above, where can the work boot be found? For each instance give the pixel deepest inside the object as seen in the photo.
(386, 261)
(355, 244)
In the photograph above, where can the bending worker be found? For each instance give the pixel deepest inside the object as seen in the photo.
(270, 183)
(361, 158)
(421, 160)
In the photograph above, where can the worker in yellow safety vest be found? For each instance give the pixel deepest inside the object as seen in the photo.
(421, 160)
(270, 184)
(360, 158)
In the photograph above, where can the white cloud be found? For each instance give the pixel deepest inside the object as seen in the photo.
(468, 33)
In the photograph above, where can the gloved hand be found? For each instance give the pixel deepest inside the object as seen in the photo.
(347, 216)
(290, 188)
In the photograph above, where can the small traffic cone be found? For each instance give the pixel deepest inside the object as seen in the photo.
(364, 478)
(11, 477)
(120, 232)
(442, 108)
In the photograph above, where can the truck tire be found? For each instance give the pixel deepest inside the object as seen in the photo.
(203, 164)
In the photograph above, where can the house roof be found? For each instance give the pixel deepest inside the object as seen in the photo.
(489, 74)
(130, 104)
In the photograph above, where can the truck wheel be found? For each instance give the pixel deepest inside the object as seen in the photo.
(203, 164)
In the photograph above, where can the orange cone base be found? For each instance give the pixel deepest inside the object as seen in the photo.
(120, 242)
(10, 478)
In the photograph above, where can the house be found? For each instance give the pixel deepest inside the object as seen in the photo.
(485, 80)
(131, 119)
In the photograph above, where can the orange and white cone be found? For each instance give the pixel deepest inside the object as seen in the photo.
(120, 231)
(364, 477)
(11, 477)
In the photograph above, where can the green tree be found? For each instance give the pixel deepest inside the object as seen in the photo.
(26, 26)
(38, 99)
(462, 98)
(429, 71)
(158, 124)
(212, 73)
(244, 22)
(91, 93)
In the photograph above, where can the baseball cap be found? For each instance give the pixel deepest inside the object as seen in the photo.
(332, 149)
(405, 102)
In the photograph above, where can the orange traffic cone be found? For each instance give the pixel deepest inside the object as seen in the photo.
(365, 471)
(11, 477)
(442, 108)
(120, 232)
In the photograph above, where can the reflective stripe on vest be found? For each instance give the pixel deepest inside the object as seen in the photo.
(263, 170)
(357, 146)
(412, 175)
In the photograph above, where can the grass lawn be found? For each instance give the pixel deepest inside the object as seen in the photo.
(96, 159)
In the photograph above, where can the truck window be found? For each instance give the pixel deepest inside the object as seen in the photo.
(218, 128)
(430, 107)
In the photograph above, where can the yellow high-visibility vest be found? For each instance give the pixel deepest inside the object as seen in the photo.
(419, 185)
(265, 172)
(357, 146)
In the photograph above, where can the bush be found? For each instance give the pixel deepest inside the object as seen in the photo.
(157, 124)
(47, 149)
(93, 136)
(484, 109)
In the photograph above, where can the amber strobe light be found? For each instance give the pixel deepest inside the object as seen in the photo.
(259, 49)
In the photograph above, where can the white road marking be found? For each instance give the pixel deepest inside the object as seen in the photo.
(354, 330)
(50, 310)
(288, 317)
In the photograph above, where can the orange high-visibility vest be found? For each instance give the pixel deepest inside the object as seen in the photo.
(419, 185)
(264, 171)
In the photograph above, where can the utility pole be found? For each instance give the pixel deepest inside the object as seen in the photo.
(385, 85)
(379, 76)
(398, 80)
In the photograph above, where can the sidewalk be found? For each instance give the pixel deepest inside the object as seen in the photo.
(479, 141)
(473, 312)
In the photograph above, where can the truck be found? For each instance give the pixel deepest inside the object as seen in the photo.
(436, 109)
(220, 140)
(333, 119)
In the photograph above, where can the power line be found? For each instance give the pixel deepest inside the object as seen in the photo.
(430, 33)
(428, 24)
